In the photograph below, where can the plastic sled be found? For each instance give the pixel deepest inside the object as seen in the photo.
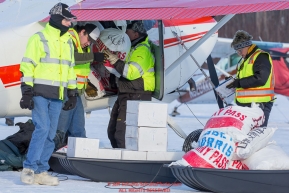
(233, 181)
(106, 170)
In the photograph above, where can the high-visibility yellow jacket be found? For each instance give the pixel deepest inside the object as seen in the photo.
(263, 93)
(139, 64)
(47, 65)
(81, 70)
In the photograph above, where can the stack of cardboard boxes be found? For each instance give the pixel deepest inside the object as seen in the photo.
(146, 127)
(146, 136)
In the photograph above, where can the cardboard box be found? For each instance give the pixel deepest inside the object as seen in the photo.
(133, 155)
(149, 139)
(168, 156)
(131, 131)
(146, 113)
(82, 147)
(109, 153)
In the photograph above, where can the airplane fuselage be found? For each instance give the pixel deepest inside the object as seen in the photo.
(190, 30)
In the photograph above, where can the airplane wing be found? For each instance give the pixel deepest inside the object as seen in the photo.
(169, 9)
(223, 48)
(27, 11)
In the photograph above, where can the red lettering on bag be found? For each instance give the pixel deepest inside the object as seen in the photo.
(195, 160)
(225, 162)
(218, 159)
(215, 154)
(243, 117)
(207, 150)
(228, 112)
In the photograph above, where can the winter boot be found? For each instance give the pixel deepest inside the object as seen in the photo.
(45, 179)
(175, 112)
(27, 176)
(9, 122)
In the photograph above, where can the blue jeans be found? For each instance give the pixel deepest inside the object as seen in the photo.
(73, 121)
(45, 117)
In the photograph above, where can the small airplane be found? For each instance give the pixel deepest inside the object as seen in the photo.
(188, 20)
(192, 22)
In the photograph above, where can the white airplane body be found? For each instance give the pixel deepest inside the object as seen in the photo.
(20, 19)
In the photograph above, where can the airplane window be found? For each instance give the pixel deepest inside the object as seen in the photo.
(226, 66)
(152, 30)
(148, 24)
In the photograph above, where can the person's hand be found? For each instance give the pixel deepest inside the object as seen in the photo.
(27, 102)
(112, 58)
(99, 57)
(234, 84)
(91, 90)
(70, 104)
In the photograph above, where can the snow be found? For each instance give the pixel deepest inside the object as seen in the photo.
(193, 116)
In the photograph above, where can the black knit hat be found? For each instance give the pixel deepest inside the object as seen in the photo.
(241, 40)
(137, 26)
(63, 10)
(92, 30)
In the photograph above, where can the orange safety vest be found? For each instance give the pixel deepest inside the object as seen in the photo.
(263, 93)
(81, 70)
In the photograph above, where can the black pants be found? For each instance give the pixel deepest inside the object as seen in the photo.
(266, 109)
(116, 126)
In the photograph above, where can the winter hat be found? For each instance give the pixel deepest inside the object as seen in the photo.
(63, 10)
(92, 30)
(241, 40)
(137, 26)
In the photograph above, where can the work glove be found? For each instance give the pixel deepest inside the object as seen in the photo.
(234, 84)
(27, 102)
(227, 77)
(91, 90)
(112, 58)
(99, 57)
(70, 104)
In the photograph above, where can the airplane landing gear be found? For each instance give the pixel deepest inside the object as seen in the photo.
(175, 112)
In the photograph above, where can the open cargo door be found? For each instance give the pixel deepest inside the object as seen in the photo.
(156, 38)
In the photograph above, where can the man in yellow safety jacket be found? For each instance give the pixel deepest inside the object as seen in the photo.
(255, 77)
(47, 79)
(137, 81)
(72, 122)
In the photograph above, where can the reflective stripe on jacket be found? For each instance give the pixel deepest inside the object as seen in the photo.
(47, 65)
(81, 70)
(140, 63)
(263, 93)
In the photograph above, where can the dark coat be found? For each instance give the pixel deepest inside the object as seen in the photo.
(22, 138)
(10, 157)
(14, 147)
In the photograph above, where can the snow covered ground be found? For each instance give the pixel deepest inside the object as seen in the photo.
(193, 116)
